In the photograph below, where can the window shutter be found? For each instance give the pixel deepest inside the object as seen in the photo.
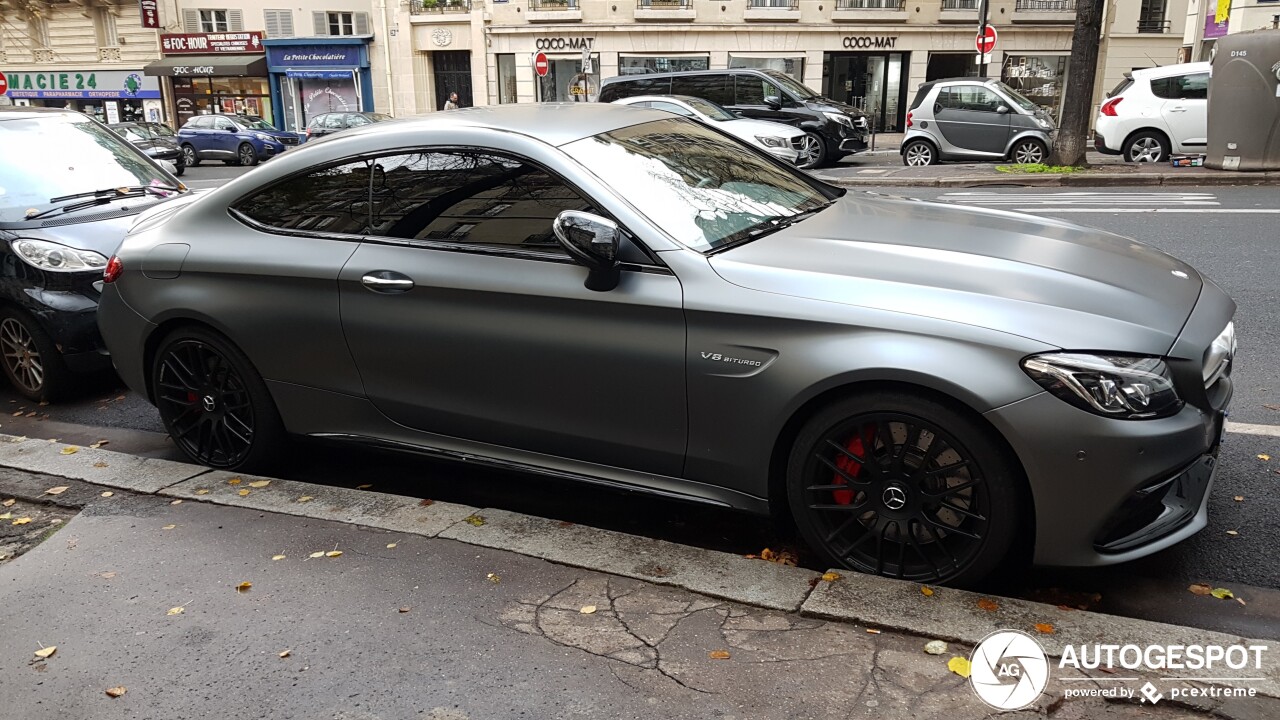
(285, 19)
(362, 23)
(279, 23)
(321, 22)
(191, 21)
(235, 20)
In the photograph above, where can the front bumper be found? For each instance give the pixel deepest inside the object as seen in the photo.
(789, 155)
(69, 316)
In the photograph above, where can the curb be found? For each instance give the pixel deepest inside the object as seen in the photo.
(946, 614)
(1085, 179)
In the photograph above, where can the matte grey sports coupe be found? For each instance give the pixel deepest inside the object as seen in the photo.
(623, 297)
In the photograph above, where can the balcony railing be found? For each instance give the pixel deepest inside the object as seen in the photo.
(870, 4)
(423, 7)
(663, 4)
(779, 4)
(1057, 6)
(553, 5)
(959, 4)
(1153, 26)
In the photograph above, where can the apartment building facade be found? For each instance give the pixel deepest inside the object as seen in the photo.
(1208, 20)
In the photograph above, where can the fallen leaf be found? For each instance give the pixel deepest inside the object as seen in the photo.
(107, 575)
(872, 631)
(234, 481)
(390, 545)
(935, 647)
(363, 487)
(1261, 456)
(45, 652)
(959, 666)
(333, 553)
(277, 557)
(1269, 407)
(56, 490)
(285, 653)
(1222, 593)
(176, 610)
(830, 576)
(22, 521)
(718, 654)
(1200, 589)
(1232, 532)
(476, 520)
(117, 691)
(168, 527)
(1238, 498)
(242, 493)
(493, 578)
(564, 524)
(318, 553)
(404, 609)
(99, 464)
(926, 591)
(98, 444)
(305, 498)
(6, 516)
(244, 586)
(56, 521)
(119, 397)
(68, 450)
(259, 483)
(108, 493)
(988, 604)
(43, 403)
(9, 502)
(1241, 601)
(18, 414)
(202, 491)
(33, 414)
(587, 609)
(176, 502)
(426, 503)
(1045, 628)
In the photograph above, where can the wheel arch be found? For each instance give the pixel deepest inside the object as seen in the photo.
(1026, 135)
(926, 139)
(1124, 144)
(166, 327)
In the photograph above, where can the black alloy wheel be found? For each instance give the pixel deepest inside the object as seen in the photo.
(213, 403)
(902, 486)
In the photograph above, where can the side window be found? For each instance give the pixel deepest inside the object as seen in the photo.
(317, 121)
(709, 87)
(1193, 87)
(945, 100)
(333, 121)
(357, 120)
(972, 97)
(223, 124)
(671, 108)
(471, 197)
(1164, 88)
(334, 199)
(632, 88)
(752, 90)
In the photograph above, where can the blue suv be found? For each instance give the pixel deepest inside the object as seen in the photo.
(233, 139)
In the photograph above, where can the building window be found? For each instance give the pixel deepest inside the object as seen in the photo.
(104, 27)
(1151, 17)
(640, 65)
(278, 23)
(507, 79)
(340, 23)
(195, 21)
(38, 31)
(214, 21)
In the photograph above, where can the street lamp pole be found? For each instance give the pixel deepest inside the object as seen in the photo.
(982, 33)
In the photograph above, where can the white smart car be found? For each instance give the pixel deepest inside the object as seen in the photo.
(1155, 113)
(781, 141)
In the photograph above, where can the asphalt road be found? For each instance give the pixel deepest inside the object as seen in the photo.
(1238, 250)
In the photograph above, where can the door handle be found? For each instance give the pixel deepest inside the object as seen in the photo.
(1177, 109)
(387, 281)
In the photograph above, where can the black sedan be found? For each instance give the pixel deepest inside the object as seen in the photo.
(157, 140)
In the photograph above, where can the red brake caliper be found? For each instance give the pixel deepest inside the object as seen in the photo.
(849, 467)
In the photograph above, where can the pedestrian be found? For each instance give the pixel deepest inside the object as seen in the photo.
(452, 102)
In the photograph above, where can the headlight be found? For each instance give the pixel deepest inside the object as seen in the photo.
(264, 137)
(1044, 124)
(1118, 386)
(47, 255)
(1219, 355)
(841, 118)
(771, 141)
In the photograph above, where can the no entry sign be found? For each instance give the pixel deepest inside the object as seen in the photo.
(4, 84)
(986, 40)
(540, 64)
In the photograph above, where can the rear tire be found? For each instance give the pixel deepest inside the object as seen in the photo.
(31, 359)
(901, 485)
(1147, 146)
(919, 153)
(214, 404)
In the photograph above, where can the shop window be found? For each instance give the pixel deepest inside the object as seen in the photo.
(565, 81)
(793, 66)
(507, 79)
(715, 87)
(278, 23)
(476, 198)
(212, 20)
(1039, 78)
(340, 23)
(641, 65)
(104, 27)
(335, 198)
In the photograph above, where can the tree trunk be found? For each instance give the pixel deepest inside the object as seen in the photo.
(1077, 105)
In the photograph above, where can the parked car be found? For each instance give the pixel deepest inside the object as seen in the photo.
(975, 119)
(329, 123)
(233, 139)
(781, 141)
(833, 129)
(57, 230)
(625, 297)
(1155, 113)
(157, 140)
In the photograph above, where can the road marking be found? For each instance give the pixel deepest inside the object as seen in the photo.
(1197, 211)
(1253, 429)
(1109, 200)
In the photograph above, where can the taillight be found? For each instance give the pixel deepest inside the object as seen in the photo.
(1109, 107)
(113, 270)
(909, 123)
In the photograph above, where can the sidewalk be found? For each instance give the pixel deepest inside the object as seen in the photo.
(393, 608)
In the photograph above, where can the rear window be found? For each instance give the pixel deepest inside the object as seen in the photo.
(1121, 87)
(632, 88)
(920, 96)
(708, 87)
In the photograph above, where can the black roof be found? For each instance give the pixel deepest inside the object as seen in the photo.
(683, 73)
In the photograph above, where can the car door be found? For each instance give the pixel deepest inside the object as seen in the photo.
(970, 121)
(468, 320)
(223, 138)
(1185, 109)
(750, 93)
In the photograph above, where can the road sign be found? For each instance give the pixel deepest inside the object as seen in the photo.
(586, 60)
(982, 59)
(986, 40)
(4, 84)
(541, 65)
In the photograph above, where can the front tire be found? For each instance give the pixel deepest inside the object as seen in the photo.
(900, 485)
(813, 152)
(190, 157)
(31, 359)
(919, 153)
(246, 155)
(1028, 151)
(213, 402)
(1147, 146)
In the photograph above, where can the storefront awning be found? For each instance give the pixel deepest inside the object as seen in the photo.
(209, 66)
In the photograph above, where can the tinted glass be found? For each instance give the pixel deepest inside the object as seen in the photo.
(317, 121)
(695, 184)
(969, 97)
(335, 199)
(711, 87)
(752, 90)
(797, 89)
(358, 120)
(1194, 87)
(334, 121)
(378, 117)
(87, 155)
(1018, 98)
(632, 88)
(710, 109)
(1120, 87)
(1164, 88)
(157, 129)
(222, 123)
(253, 122)
(669, 107)
(470, 197)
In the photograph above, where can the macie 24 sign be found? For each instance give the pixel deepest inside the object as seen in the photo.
(81, 85)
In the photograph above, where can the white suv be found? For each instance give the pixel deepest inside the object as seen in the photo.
(1156, 112)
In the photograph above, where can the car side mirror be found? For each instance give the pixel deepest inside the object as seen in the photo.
(230, 129)
(1002, 109)
(774, 102)
(592, 241)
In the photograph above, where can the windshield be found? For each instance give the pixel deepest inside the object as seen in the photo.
(254, 123)
(59, 155)
(789, 84)
(1017, 97)
(132, 133)
(703, 189)
(157, 129)
(710, 109)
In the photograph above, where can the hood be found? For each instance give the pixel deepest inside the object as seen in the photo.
(752, 128)
(826, 104)
(1050, 281)
(100, 230)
